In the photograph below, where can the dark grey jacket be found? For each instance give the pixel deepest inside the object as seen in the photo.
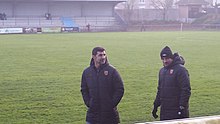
(102, 90)
(173, 90)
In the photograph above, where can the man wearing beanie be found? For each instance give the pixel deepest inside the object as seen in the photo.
(173, 87)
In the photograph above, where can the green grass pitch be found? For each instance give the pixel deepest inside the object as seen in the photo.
(40, 73)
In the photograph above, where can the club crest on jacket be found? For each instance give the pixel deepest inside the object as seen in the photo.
(171, 71)
(105, 73)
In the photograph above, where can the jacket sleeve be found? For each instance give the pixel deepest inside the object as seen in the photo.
(185, 89)
(85, 90)
(118, 88)
(157, 99)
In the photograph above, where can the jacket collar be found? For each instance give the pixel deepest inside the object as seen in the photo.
(177, 59)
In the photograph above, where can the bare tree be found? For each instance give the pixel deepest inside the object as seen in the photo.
(129, 9)
(216, 6)
(163, 5)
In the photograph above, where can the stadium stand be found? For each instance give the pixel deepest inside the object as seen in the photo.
(68, 22)
(30, 22)
(97, 23)
(31, 14)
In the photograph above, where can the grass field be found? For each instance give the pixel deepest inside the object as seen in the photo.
(40, 73)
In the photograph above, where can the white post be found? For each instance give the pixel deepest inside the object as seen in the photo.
(181, 27)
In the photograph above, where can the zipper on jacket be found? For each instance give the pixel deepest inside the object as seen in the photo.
(97, 78)
(164, 77)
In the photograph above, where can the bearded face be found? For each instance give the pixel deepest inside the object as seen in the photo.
(100, 58)
(166, 61)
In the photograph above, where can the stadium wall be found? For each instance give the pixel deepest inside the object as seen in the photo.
(148, 14)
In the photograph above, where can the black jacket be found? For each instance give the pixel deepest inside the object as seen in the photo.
(102, 90)
(173, 90)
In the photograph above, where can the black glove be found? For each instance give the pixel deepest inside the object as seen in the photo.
(154, 112)
(181, 110)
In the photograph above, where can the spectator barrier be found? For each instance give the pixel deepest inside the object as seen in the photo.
(196, 120)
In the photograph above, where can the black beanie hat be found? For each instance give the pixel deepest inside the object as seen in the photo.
(166, 52)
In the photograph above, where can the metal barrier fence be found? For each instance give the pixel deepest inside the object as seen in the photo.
(174, 27)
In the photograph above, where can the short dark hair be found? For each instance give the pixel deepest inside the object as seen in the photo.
(97, 49)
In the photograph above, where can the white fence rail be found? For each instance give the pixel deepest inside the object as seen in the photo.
(196, 120)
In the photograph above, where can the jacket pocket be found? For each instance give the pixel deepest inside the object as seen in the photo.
(91, 105)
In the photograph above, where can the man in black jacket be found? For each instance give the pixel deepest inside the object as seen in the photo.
(102, 89)
(173, 87)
